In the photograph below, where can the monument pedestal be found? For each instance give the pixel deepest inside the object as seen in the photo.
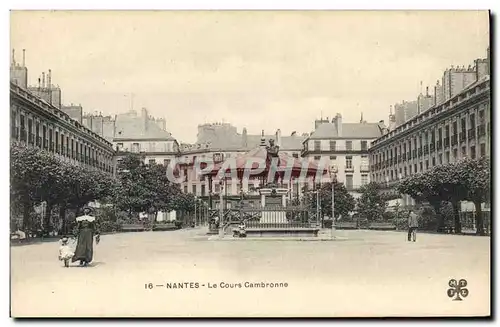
(274, 199)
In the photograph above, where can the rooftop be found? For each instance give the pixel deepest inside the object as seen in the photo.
(349, 130)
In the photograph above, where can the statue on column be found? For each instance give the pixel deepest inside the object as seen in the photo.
(272, 152)
(272, 149)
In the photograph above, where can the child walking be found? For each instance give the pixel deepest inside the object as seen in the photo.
(65, 251)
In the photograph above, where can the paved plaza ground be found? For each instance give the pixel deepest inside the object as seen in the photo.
(364, 273)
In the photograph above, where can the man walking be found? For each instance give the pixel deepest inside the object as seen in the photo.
(412, 226)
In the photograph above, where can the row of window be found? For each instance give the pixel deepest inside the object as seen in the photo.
(137, 147)
(405, 171)
(348, 161)
(411, 149)
(36, 134)
(333, 146)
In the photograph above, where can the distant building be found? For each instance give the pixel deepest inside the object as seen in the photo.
(405, 111)
(74, 111)
(139, 134)
(19, 73)
(424, 102)
(457, 79)
(459, 127)
(346, 146)
(47, 91)
(35, 123)
(219, 141)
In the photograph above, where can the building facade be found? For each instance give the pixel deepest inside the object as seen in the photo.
(135, 133)
(220, 141)
(458, 128)
(345, 146)
(34, 122)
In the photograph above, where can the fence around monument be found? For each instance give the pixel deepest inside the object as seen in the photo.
(269, 217)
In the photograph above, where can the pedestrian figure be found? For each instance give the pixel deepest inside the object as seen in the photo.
(87, 228)
(412, 226)
(65, 251)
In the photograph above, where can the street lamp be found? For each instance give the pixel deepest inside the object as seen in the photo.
(195, 205)
(221, 212)
(334, 180)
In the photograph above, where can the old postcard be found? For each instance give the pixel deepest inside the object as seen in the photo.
(250, 164)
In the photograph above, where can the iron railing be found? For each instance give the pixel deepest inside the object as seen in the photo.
(268, 217)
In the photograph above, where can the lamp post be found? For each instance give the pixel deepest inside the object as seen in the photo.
(334, 179)
(195, 205)
(221, 213)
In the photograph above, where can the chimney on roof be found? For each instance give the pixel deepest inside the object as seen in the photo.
(24, 57)
(244, 138)
(427, 91)
(43, 79)
(338, 123)
(49, 79)
(278, 137)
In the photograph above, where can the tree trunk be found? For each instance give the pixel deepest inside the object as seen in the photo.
(440, 218)
(456, 217)
(479, 218)
(62, 215)
(26, 216)
(46, 218)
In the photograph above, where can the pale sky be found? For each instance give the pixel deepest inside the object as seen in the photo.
(259, 70)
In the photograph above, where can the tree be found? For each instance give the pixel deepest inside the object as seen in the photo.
(38, 176)
(34, 178)
(424, 188)
(344, 202)
(146, 188)
(476, 176)
(455, 182)
(372, 202)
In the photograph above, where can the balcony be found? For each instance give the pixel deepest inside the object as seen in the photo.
(446, 142)
(364, 168)
(439, 145)
(349, 169)
(433, 147)
(481, 130)
(426, 149)
(471, 134)
(454, 139)
(463, 137)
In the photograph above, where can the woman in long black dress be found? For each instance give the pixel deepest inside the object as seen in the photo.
(86, 229)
